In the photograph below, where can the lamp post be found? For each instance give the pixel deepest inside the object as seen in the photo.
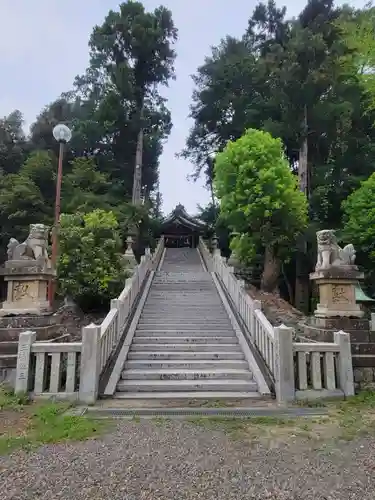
(62, 134)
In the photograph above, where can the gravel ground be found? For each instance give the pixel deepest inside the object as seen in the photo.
(182, 461)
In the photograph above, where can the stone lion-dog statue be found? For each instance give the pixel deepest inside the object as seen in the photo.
(330, 254)
(33, 248)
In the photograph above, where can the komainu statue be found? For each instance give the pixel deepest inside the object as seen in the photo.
(330, 254)
(33, 248)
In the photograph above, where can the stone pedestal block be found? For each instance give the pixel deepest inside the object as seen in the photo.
(27, 288)
(337, 292)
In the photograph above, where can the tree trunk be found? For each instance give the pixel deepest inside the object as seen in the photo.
(271, 271)
(301, 296)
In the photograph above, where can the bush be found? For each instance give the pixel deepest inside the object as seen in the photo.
(90, 267)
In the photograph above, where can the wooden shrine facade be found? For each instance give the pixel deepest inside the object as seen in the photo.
(181, 230)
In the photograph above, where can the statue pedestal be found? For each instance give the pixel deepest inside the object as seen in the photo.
(27, 288)
(337, 292)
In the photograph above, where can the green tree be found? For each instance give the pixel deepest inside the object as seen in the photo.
(41, 168)
(260, 200)
(131, 55)
(21, 204)
(359, 225)
(358, 29)
(13, 147)
(90, 265)
(85, 187)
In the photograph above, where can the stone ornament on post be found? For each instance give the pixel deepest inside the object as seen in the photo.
(129, 256)
(336, 276)
(28, 271)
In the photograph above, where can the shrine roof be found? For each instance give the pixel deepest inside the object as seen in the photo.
(179, 216)
(361, 296)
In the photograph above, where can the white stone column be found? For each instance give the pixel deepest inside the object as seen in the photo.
(90, 364)
(284, 364)
(25, 341)
(256, 306)
(345, 365)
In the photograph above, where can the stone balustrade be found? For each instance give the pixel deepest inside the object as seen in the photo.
(298, 370)
(72, 370)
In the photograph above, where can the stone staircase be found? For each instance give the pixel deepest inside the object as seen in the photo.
(185, 345)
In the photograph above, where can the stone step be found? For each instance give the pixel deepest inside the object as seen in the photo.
(171, 300)
(184, 340)
(184, 355)
(184, 314)
(152, 325)
(186, 385)
(180, 307)
(229, 347)
(186, 325)
(181, 374)
(184, 333)
(180, 364)
(184, 395)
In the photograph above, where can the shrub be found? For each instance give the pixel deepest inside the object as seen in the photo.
(90, 266)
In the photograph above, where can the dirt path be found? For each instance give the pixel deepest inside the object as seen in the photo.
(186, 460)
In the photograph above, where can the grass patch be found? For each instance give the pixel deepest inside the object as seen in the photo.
(24, 424)
(345, 420)
(239, 428)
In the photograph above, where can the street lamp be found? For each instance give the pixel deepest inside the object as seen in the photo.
(62, 134)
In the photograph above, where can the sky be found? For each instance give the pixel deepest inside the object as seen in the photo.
(44, 45)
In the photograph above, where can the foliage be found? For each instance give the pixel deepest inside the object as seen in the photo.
(12, 142)
(131, 55)
(359, 224)
(258, 196)
(358, 29)
(90, 266)
(300, 80)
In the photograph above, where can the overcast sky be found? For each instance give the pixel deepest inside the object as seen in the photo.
(43, 46)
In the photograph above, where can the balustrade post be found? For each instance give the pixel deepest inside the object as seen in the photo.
(345, 366)
(120, 320)
(284, 364)
(25, 341)
(90, 364)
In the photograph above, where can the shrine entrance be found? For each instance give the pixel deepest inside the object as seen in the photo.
(178, 241)
(180, 230)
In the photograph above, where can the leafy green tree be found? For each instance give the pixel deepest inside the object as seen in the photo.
(85, 187)
(21, 204)
(358, 29)
(13, 146)
(41, 168)
(131, 55)
(359, 226)
(90, 266)
(260, 200)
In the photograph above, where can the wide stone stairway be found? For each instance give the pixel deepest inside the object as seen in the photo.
(185, 345)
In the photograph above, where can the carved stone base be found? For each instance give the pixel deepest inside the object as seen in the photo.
(337, 293)
(27, 294)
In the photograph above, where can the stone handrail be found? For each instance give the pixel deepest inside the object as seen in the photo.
(45, 366)
(71, 370)
(309, 370)
(299, 370)
(258, 326)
